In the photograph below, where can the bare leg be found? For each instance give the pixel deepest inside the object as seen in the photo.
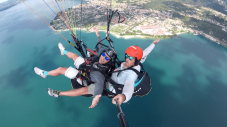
(72, 55)
(56, 72)
(75, 92)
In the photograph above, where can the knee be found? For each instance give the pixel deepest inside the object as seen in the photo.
(75, 56)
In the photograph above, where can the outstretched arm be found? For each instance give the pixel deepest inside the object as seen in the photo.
(98, 86)
(101, 48)
(147, 51)
(128, 88)
(95, 101)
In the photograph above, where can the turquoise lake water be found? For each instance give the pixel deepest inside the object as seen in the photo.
(188, 73)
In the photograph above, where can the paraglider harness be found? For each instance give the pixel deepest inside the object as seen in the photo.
(87, 67)
(93, 65)
(142, 85)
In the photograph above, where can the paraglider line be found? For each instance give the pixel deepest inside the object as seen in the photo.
(61, 15)
(64, 13)
(58, 5)
(81, 18)
(44, 21)
(50, 8)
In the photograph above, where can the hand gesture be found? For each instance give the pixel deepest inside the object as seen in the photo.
(96, 31)
(107, 37)
(120, 97)
(156, 41)
(95, 101)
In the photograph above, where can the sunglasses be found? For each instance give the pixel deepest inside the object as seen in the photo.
(130, 58)
(104, 55)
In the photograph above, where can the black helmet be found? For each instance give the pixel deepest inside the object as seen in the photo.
(111, 53)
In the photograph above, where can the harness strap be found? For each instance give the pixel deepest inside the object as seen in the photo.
(90, 58)
(115, 84)
(79, 47)
(133, 69)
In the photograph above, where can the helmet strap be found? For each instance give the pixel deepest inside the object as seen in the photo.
(136, 62)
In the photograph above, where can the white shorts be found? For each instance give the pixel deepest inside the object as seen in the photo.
(78, 62)
(72, 72)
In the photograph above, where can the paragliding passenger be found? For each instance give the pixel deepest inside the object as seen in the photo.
(98, 66)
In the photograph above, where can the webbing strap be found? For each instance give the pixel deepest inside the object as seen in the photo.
(133, 69)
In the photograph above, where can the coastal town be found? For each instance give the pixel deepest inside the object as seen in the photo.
(173, 19)
(139, 22)
(207, 15)
(145, 23)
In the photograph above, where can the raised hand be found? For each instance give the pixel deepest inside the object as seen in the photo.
(96, 31)
(156, 41)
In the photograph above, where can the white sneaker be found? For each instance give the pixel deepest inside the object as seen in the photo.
(53, 93)
(62, 48)
(40, 72)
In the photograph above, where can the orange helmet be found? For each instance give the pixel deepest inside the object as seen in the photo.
(135, 51)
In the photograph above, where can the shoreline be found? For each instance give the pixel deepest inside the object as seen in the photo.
(135, 36)
(127, 36)
(143, 37)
